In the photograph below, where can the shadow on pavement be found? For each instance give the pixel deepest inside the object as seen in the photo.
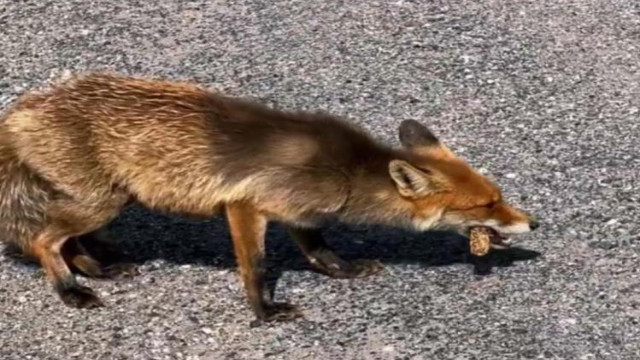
(145, 236)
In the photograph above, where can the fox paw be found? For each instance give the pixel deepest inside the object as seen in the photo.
(277, 312)
(92, 268)
(80, 297)
(120, 271)
(354, 269)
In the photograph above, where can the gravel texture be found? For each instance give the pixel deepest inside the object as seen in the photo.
(543, 96)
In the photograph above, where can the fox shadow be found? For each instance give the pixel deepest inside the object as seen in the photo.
(144, 236)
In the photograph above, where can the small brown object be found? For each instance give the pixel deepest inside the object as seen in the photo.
(480, 240)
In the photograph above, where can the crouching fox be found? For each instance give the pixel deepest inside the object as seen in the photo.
(74, 155)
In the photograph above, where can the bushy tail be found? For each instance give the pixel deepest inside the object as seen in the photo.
(23, 199)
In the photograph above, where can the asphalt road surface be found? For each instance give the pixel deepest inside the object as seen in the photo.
(543, 96)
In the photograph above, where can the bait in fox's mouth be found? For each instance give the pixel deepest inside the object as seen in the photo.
(483, 238)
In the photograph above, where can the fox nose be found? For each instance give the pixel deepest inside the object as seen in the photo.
(534, 224)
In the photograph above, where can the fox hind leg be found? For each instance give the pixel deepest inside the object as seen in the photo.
(325, 260)
(48, 250)
(96, 256)
(94, 259)
(68, 219)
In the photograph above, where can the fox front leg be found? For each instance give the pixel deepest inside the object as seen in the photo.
(325, 260)
(248, 228)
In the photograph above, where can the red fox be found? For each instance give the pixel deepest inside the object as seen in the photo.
(74, 155)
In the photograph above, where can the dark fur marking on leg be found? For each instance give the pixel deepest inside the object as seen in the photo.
(105, 251)
(248, 228)
(323, 259)
(94, 258)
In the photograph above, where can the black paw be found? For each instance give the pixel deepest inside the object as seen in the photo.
(90, 267)
(351, 270)
(80, 297)
(277, 312)
(120, 271)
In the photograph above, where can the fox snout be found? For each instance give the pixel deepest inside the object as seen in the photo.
(511, 221)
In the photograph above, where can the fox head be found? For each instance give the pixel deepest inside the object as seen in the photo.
(448, 193)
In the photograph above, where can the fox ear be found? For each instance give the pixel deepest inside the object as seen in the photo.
(412, 182)
(413, 134)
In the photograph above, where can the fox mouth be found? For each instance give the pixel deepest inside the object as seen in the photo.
(498, 240)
